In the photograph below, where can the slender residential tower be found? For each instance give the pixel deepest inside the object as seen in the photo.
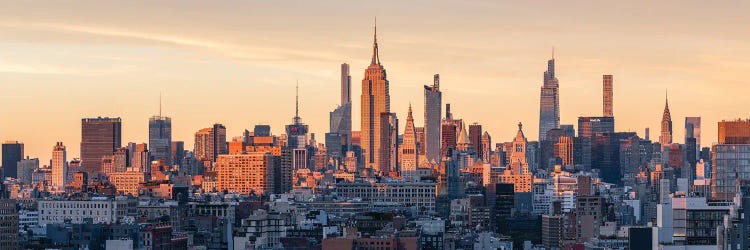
(432, 114)
(607, 95)
(375, 101)
(549, 103)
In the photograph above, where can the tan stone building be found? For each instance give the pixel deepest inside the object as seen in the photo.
(246, 172)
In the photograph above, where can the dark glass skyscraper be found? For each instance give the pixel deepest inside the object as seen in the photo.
(549, 103)
(432, 114)
(99, 137)
(160, 138)
(12, 153)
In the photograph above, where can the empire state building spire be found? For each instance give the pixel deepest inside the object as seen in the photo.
(376, 105)
(375, 57)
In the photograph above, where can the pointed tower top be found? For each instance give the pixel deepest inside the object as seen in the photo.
(519, 135)
(463, 137)
(667, 116)
(375, 56)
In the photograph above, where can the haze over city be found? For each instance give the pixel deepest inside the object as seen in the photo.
(237, 62)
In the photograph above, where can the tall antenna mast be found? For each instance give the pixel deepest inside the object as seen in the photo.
(296, 107)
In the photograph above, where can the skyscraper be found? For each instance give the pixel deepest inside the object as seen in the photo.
(178, 152)
(486, 147)
(12, 153)
(389, 143)
(666, 126)
(730, 167)
(734, 132)
(210, 143)
(341, 117)
(432, 114)
(59, 165)
(346, 84)
(99, 137)
(376, 100)
(475, 136)
(160, 138)
(409, 152)
(549, 103)
(297, 131)
(588, 126)
(693, 123)
(608, 96)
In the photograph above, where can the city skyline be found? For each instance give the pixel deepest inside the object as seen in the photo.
(54, 94)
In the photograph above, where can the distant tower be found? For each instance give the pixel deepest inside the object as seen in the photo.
(518, 162)
(486, 147)
(693, 123)
(12, 153)
(666, 126)
(210, 143)
(549, 103)
(160, 138)
(376, 101)
(608, 96)
(432, 114)
(475, 136)
(99, 137)
(408, 148)
(297, 131)
(346, 84)
(341, 118)
(59, 165)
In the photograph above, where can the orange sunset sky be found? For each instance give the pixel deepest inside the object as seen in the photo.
(237, 62)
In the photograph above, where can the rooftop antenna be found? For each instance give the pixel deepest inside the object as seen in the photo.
(296, 109)
(159, 104)
(553, 52)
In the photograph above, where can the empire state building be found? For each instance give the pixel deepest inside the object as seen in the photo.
(376, 104)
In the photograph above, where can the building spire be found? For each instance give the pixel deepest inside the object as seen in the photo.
(375, 57)
(159, 104)
(553, 52)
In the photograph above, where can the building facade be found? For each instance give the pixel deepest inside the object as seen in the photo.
(59, 165)
(549, 103)
(376, 100)
(99, 137)
(12, 153)
(409, 155)
(160, 138)
(251, 172)
(210, 143)
(608, 96)
(432, 114)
